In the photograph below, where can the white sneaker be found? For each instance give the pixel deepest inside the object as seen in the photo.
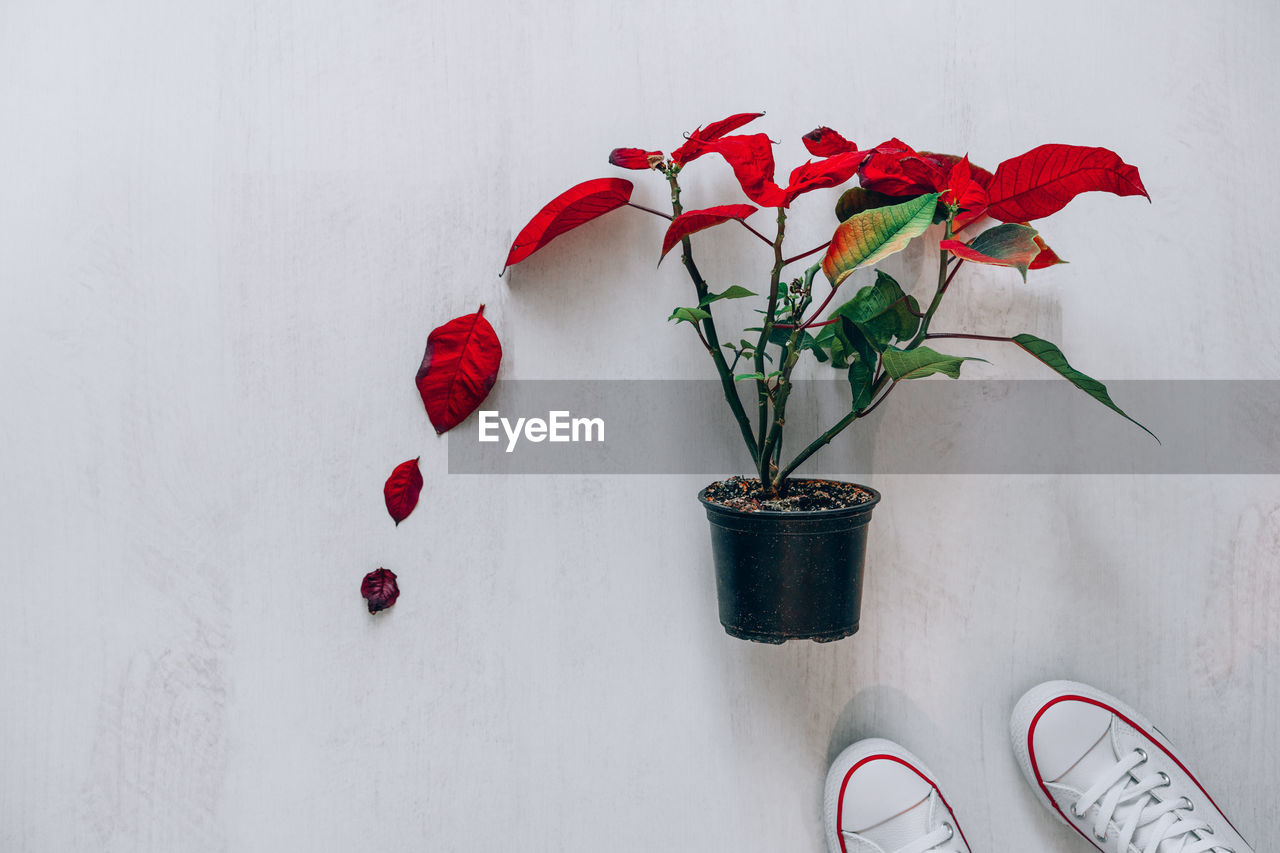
(1112, 776)
(882, 799)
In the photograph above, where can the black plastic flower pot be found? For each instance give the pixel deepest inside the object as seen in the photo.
(790, 575)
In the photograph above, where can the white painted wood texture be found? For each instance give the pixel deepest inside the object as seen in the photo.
(225, 230)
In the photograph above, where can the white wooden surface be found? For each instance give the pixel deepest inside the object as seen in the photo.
(225, 230)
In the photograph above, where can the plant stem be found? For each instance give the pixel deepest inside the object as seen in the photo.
(825, 439)
(709, 336)
(762, 387)
(943, 280)
(1003, 339)
(803, 255)
(744, 224)
(665, 216)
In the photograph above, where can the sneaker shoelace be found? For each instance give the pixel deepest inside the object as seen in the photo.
(1122, 796)
(933, 841)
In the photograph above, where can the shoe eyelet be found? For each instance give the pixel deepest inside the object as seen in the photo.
(951, 830)
(1190, 806)
(1142, 753)
(1165, 781)
(1102, 837)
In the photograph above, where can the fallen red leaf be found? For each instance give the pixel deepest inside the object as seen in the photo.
(1043, 180)
(696, 145)
(380, 589)
(693, 221)
(458, 369)
(567, 211)
(825, 142)
(402, 489)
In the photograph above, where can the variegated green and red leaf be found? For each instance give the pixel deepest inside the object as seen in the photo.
(866, 237)
(1008, 245)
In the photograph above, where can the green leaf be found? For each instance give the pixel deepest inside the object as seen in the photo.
(882, 311)
(858, 199)
(782, 338)
(1008, 245)
(1053, 357)
(745, 376)
(735, 292)
(866, 237)
(861, 373)
(851, 349)
(688, 315)
(922, 361)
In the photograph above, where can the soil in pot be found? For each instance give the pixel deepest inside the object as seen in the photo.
(802, 495)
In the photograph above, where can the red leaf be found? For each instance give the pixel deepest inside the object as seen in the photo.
(380, 589)
(752, 160)
(634, 158)
(1047, 256)
(692, 221)
(402, 489)
(696, 145)
(825, 142)
(962, 190)
(567, 211)
(894, 168)
(831, 172)
(1044, 179)
(458, 369)
(885, 171)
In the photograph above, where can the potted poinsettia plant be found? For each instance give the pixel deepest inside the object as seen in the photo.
(789, 552)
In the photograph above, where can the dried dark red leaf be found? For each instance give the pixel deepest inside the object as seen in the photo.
(402, 489)
(696, 145)
(458, 369)
(380, 589)
(692, 221)
(1046, 178)
(573, 207)
(825, 142)
(634, 158)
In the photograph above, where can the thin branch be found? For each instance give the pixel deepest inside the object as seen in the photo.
(823, 307)
(932, 335)
(650, 210)
(754, 231)
(869, 409)
(701, 336)
(806, 325)
(803, 255)
(954, 270)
